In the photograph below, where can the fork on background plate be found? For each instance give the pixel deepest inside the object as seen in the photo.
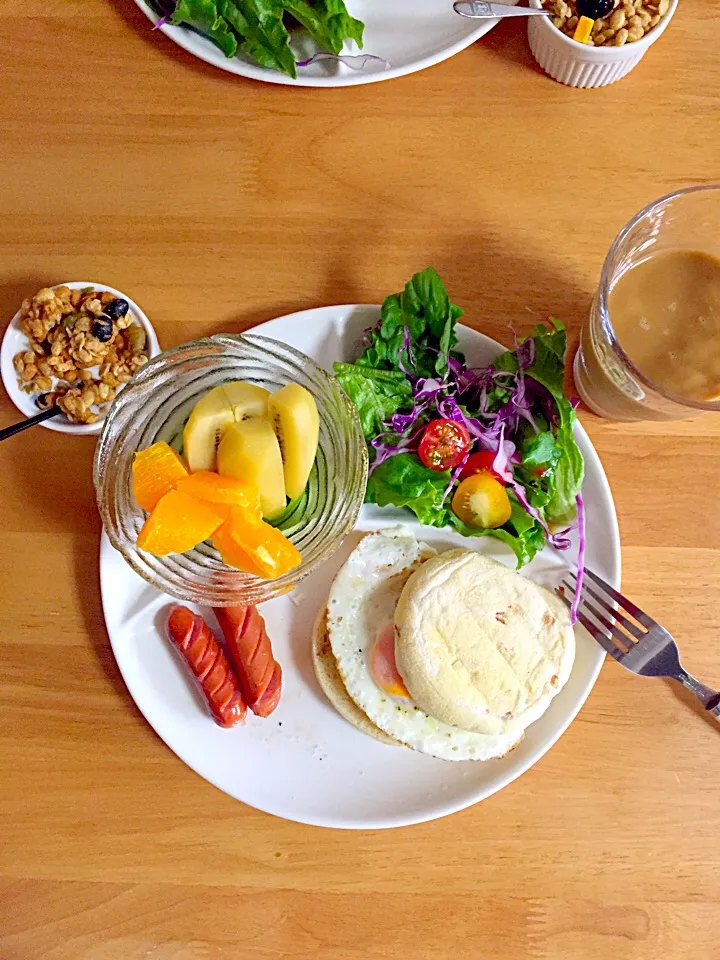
(641, 645)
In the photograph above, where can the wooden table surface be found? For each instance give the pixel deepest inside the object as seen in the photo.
(217, 203)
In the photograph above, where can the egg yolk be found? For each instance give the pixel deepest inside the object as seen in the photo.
(383, 668)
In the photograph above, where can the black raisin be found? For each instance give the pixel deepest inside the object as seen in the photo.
(102, 329)
(116, 308)
(594, 9)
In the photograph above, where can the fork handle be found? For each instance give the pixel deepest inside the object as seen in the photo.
(709, 698)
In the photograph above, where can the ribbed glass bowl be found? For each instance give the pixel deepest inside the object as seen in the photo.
(155, 406)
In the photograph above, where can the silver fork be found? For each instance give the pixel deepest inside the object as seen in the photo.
(643, 647)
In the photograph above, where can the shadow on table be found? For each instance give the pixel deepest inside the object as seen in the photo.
(13, 290)
(501, 288)
(509, 41)
(87, 579)
(341, 285)
(49, 474)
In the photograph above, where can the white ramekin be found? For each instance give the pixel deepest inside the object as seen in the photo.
(579, 65)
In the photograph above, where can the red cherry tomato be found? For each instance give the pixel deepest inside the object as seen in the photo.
(481, 462)
(444, 444)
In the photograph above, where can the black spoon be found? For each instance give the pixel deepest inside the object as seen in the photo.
(30, 422)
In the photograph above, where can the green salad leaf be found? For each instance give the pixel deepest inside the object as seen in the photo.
(259, 28)
(403, 481)
(541, 450)
(548, 366)
(565, 479)
(327, 22)
(205, 17)
(377, 394)
(261, 31)
(409, 367)
(424, 309)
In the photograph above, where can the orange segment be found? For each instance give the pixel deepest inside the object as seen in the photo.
(245, 541)
(155, 472)
(177, 524)
(232, 553)
(221, 494)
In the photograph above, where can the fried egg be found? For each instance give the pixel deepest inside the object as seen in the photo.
(361, 610)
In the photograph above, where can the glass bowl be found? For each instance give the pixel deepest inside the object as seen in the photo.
(155, 406)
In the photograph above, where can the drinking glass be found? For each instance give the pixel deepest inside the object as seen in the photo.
(607, 380)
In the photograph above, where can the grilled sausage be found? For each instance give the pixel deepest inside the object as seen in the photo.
(251, 654)
(209, 666)
(270, 699)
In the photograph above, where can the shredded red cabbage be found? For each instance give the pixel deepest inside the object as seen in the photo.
(166, 8)
(580, 559)
(355, 61)
(448, 397)
(453, 477)
(433, 396)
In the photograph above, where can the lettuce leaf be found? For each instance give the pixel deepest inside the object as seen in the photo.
(548, 366)
(565, 480)
(424, 309)
(377, 394)
(403, 481)
(327, 22)
(554, 446)
(376, 382)
(257, 27)
(263, 35)
(541, 450)
(204, 16)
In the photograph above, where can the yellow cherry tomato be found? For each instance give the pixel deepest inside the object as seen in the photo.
(481, 501)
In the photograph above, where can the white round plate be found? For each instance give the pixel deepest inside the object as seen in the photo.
(305, 762)
(15, 340)
(410, 34)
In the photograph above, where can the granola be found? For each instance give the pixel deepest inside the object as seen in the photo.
(628, 20)
(82, 346)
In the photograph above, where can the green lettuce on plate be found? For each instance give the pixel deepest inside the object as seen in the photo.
(261, 28)
(410, 373)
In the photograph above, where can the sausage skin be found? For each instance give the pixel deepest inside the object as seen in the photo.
(206, 660)
(251, 654)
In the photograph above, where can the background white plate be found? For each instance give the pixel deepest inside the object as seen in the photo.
(15, 340)
(410, 34)
(305, 762)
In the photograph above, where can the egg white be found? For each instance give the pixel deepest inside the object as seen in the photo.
(361, 603)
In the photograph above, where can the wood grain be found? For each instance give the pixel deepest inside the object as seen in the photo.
(217, 203)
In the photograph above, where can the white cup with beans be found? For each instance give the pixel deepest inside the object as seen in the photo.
(618, 41)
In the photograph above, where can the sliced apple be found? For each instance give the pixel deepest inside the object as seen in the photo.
(249, 451)
(213, 414)
(294, 416)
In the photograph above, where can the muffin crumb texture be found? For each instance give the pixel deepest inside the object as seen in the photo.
(629, 20)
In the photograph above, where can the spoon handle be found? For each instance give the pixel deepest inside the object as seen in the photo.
(30, 422)
(479, 10)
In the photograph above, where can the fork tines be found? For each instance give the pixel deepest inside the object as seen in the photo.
(623, 633)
